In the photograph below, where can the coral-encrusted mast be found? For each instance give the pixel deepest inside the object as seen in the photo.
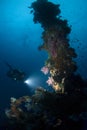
(55, 41)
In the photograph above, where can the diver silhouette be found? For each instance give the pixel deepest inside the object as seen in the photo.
(14, 73)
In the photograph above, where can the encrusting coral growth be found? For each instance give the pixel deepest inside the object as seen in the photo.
(62, 109)
(35, 110)
(47, 110)
(55, 41)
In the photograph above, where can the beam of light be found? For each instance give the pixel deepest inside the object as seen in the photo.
(29, 82)
(32, 81)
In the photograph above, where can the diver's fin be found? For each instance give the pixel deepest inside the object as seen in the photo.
(7, 64)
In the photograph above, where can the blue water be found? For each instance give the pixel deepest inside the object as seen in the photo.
(19, 41)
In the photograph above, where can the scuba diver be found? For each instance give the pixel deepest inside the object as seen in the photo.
(15, 74)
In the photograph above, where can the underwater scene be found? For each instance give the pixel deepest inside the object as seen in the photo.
(43, 65)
